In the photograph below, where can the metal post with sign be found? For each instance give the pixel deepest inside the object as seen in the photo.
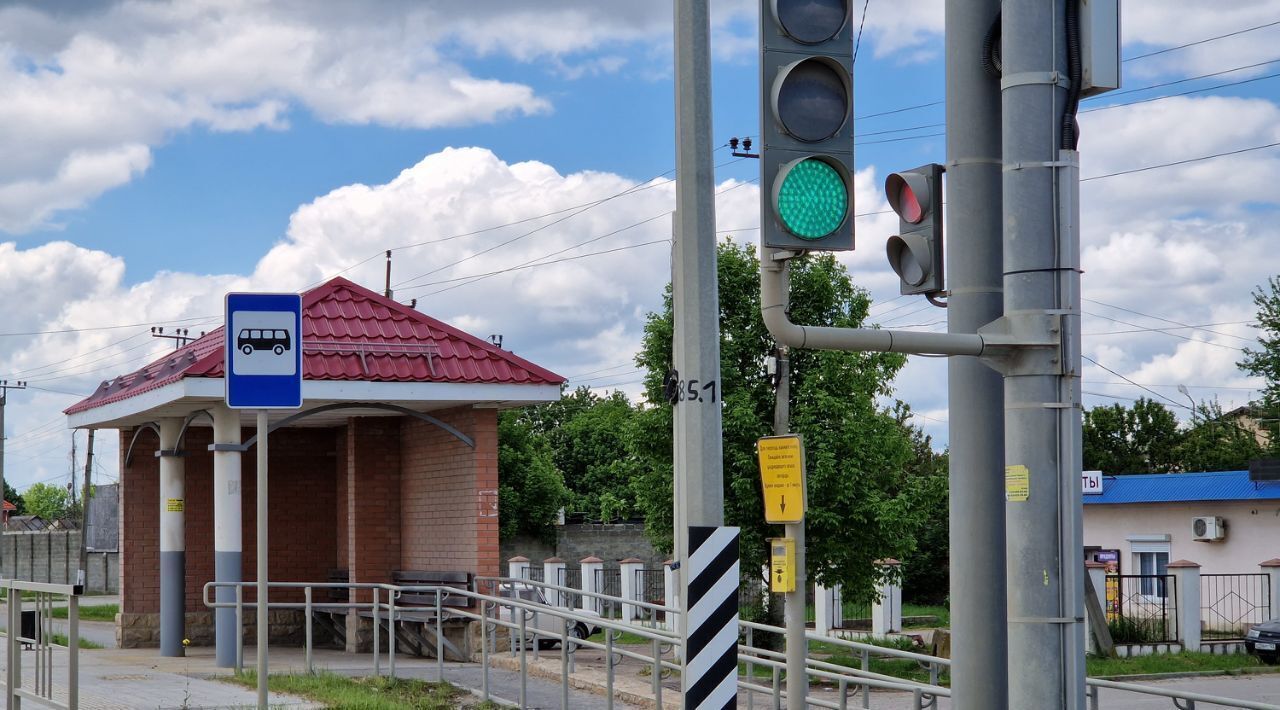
(263, 371)
(785, 499)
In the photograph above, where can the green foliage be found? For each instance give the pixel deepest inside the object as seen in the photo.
(47, 501)
(1217, 442)
(1265, 362)
(862, 505)
(371, 693)
(1138, 439)
(1126, 629)
(530, 489)
(11, 494)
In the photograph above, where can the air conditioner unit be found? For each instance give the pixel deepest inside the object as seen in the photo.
(1209, 529)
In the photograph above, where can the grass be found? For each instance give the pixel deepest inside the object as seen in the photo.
(104, 612)
(625, 638)
(338, 691)
(1184, 662)
(941, 612)
(62, 640)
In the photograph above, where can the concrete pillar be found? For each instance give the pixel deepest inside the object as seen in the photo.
(1187, 580)
(827, 611)
(670, 592)
(553, 573)
(631, 590)
(518, 567)
(1097, 576)
(173, 547)
(1272, 569)
(591, 568)
(227, 540)
(886, 614)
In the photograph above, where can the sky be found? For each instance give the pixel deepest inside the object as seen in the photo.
(518, 158)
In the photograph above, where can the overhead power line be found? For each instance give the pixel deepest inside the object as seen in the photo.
(1202, 41)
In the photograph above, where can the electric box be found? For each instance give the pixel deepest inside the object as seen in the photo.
(782, 565)
(1099, 46)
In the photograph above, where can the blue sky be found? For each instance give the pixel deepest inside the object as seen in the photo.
(164, 153)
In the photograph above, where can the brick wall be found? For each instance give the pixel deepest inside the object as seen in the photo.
(448, 493)
(372, 471)
(302, 496)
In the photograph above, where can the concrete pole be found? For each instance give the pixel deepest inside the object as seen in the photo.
(1042, 385)
(261, 518)
(797, 647)
(699, 485)
(173, 546)
(82, 575)
(227, 534)
(979, 642)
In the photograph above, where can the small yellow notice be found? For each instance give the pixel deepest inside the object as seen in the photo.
(1017, 483)
(174, 505)
(782, 475)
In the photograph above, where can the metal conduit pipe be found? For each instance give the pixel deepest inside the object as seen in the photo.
(774, 297)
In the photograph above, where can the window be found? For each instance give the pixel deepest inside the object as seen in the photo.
(1151, 560)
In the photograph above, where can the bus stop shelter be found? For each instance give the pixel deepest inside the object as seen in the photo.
(390, 464)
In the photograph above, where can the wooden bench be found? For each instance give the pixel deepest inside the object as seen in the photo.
(416, 578)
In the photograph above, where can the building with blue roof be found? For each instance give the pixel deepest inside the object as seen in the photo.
(1228, 522)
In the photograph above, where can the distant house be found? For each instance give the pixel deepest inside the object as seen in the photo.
(1252, 419)
(1228, 522)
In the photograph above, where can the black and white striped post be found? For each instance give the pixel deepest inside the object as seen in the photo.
(711, 651)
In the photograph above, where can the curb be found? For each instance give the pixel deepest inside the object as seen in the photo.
(1268, 670)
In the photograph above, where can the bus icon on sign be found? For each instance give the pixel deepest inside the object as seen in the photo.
(251, 339)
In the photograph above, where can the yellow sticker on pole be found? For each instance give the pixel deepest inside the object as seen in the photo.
(174, 505)
(1017, 483)
(782, 476)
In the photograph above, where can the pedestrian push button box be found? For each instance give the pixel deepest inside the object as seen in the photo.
(782, 565)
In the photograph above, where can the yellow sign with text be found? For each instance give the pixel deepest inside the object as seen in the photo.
(1017, 483)
(782, 475)
(175, 505)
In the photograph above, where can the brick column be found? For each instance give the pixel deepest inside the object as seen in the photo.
(553, 573)
(1187, 604)
(886, 614)
(373, 507)
(1272, 569)
(630, 589)
(591, 567)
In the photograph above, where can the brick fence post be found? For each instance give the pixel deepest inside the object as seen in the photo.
(1271, 568)
(518, 567)
(886, 613)
(1187, 602)
(591, 568)
(631, 591)
(553, 573)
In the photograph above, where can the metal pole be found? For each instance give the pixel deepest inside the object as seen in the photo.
(82, 577)
(979, 641)
(262, 558)
(699, 487)
(1042, 386)
(797, 647)
(173, 555)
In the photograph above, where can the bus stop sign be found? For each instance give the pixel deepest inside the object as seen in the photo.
(263, 350)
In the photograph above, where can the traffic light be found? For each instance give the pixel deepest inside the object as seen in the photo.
(806, 124)
(915, 252)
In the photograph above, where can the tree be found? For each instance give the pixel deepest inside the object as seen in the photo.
(1139, 439)
(530, 489)
(1216, 442)
(46, 500)
(861, 505)
(926, 573)
(1265, 363)
(11, 494)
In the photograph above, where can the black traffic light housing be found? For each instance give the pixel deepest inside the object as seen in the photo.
(915, 252)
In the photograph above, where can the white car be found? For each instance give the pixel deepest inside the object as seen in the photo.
(549, 624)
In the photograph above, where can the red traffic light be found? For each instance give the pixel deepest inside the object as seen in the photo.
(908, 194)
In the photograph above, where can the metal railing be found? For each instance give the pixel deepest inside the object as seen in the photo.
(1141, 608)
(1231, 603)
(33, 628)
(523, 624)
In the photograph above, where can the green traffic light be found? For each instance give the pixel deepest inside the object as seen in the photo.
(812, 200)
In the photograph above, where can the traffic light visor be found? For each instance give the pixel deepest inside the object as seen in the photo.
(909, 256)
(811, 197)
(811, 21)
(908, 194)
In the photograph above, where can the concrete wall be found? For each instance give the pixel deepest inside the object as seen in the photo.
(574, 542)
(54, 557)
(103, 524)
(1252, 531)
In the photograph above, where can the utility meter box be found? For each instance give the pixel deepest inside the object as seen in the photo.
(782, 565)
(1099, 46)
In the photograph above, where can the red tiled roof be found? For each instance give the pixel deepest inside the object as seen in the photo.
(349, 333)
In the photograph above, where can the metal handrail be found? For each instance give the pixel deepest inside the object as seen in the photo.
(595, 595)
(1173, 694)
(42, 690)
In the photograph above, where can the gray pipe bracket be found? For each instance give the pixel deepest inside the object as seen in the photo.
(1024, 343)
(1033, 78)
(170, 453)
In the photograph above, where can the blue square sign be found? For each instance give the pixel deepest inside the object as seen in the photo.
(263, 339)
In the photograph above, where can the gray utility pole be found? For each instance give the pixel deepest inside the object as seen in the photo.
(979, 641)
(5, 386)
(797, 647)
(1042, 387)
(82, 577)
(699, 477)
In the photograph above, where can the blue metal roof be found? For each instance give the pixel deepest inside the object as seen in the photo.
(1183, 488)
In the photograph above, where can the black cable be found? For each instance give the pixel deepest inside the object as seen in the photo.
(1075, 77)
(858, 43)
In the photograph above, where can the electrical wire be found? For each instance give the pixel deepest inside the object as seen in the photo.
(1135, 384)
(1201, 41)
(1181, 162)
(1174, 322)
